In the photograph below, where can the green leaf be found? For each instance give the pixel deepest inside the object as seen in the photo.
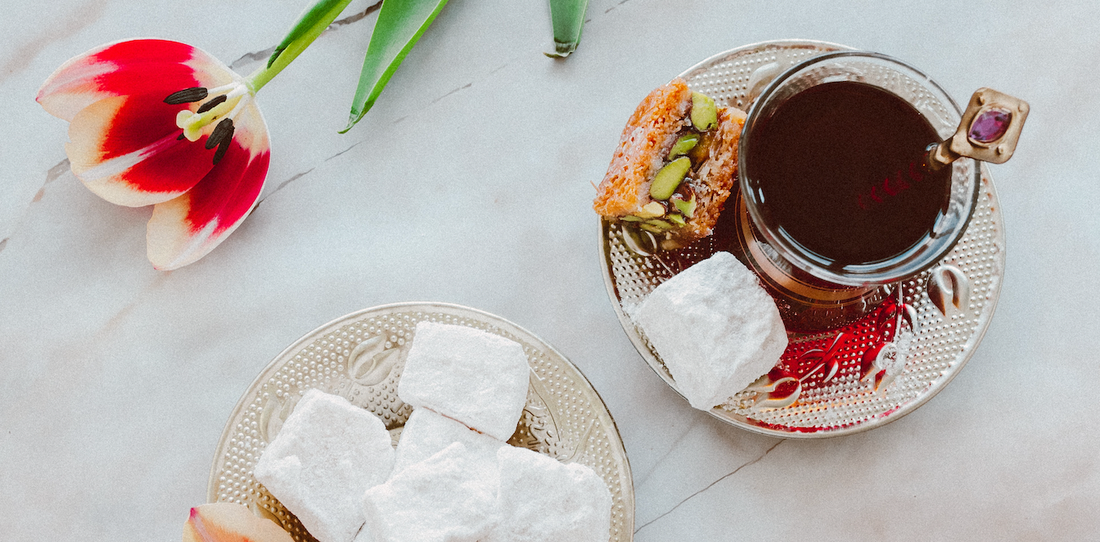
(400, 24)
(568, 19)
(313, 20)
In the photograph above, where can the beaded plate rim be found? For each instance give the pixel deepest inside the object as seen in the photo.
(494, 324)
(755, 426)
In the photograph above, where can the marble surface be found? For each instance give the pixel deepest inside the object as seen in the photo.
(470, 182)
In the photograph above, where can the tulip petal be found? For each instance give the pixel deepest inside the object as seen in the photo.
(230, 522)
(115, 69)
(126, 150)
(186, 228)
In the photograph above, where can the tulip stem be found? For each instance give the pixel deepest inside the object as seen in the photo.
(310, 25)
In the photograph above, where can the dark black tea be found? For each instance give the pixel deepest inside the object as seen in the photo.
(838, 168)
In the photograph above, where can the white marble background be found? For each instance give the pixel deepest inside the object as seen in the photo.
(469, 182)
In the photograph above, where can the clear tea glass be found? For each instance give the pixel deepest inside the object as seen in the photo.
(864, 77)
(857, 171)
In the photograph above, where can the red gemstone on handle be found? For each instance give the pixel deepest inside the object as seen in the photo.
(990, 125)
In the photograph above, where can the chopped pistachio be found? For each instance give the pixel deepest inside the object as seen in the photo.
(701, 151)
(655, 225)
(704, 112)
(676, 219)
(632, 218)
(686, 207)
(683, 145)
(668, 178)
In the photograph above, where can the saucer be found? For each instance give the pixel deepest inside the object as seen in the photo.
(842, 388)
(360, 356)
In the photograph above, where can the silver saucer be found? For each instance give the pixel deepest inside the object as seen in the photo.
(360, 357)
(846, 403)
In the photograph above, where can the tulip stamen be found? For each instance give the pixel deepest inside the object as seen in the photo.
(195, 123)
(225, 88)
(214, 102)
(218, 154)
(238, 106)
(217, 107)
(187, 95)
(227, 102)
(226, 137)
(221, 131)
(221, 137)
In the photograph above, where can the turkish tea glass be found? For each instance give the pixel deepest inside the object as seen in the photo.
(786, 254)
(812, 292)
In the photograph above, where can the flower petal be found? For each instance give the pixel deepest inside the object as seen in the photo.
(120, 68)
(186, 228)
(230, 522)
(126, 150)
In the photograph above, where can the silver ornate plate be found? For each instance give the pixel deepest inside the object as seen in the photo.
(360, 357)
(947, 309)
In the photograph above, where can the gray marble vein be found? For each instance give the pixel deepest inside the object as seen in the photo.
(712, 484)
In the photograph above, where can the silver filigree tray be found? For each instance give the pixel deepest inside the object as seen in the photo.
(943, 312)
(360, 357)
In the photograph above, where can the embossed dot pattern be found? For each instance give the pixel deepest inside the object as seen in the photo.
(844, 404)
(360, 358)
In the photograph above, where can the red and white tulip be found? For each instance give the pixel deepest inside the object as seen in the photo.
(163, 123)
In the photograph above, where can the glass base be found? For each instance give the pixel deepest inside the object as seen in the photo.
(806, 303)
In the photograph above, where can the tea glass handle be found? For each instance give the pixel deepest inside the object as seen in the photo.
(989, 130)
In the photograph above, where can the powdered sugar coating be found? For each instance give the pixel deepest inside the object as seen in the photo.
(472, 376)
(543, 500)
(449, 497)
(715, 328)
(326, 455)
(427, 433)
